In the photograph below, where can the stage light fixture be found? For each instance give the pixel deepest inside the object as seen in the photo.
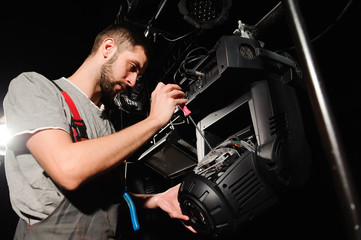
(205, 14)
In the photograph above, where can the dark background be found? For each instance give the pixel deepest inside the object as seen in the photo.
(53, 38)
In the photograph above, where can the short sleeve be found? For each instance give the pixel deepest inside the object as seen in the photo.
(32, 103)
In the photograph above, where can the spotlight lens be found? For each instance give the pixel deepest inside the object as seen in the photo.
(196, 215)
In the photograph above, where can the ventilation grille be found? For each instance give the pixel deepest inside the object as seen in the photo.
(279, 125)
(279, 128)
(246, 187)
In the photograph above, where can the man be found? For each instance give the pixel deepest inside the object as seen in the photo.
(63, 189)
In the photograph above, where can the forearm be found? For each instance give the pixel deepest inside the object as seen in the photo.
(105, 152)
(152, 201)
(167, 201)
(70, 164)
(145, 201)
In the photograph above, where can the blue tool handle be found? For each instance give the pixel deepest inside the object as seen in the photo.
(133, 213)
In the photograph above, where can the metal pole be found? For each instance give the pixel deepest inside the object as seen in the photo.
(324, 117)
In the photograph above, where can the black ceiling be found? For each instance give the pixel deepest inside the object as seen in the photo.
(54, 37)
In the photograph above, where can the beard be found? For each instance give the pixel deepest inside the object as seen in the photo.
(107, 82)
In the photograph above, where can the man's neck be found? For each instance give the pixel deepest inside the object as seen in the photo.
(86, 78)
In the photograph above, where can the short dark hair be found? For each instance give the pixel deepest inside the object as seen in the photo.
(124, 35)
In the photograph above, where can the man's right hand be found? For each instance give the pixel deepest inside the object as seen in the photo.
(165, 99)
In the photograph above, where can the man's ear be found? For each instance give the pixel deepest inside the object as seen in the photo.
(108, 47)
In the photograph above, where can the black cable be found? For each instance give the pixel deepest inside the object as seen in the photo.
(344, 10)
(182, 69)
(327, 29)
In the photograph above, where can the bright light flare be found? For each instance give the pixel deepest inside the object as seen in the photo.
(4, 135)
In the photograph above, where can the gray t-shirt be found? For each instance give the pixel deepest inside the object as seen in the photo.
(33, 103)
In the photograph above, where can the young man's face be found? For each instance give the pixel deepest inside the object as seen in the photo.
(122, 70)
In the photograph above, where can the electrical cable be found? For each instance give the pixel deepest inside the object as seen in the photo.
(338, 18)
(344, 10)
(175, 39)
(182, 69)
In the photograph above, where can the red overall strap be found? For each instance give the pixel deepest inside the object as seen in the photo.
(77, 124)
(72, 107)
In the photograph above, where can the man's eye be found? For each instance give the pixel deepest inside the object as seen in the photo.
(133, 68)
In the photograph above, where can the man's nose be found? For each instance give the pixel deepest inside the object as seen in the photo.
(132, 79)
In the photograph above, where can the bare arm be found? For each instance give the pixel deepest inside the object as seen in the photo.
(70, 164)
